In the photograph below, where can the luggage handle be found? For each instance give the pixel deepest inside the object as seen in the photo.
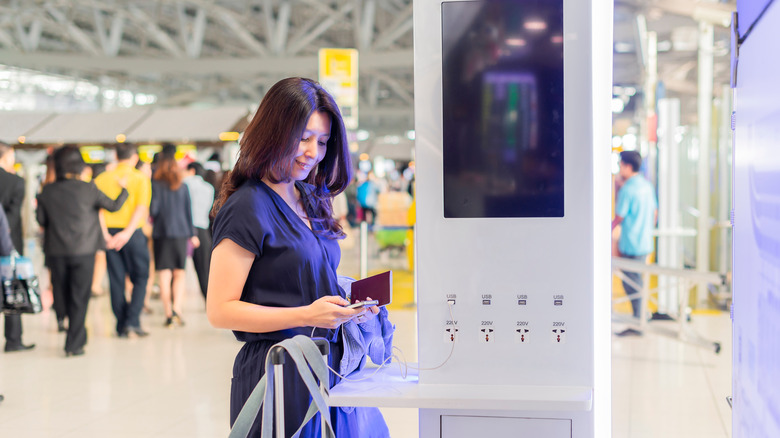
(308, 355)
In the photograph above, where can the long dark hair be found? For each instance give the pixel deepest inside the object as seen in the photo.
(271, 141)
(169, 173)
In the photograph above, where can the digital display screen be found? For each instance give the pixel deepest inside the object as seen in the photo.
(502, 83)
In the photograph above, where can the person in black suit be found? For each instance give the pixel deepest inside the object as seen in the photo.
(68, 212)
(11, 198)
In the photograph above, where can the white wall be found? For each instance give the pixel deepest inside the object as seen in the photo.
(756, 311)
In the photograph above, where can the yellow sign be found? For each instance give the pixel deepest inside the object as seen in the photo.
(146, 152)
(339, 63)
(339, 75)
(186, 150)
(93, 154)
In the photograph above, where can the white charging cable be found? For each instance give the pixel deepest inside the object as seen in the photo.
(402, 363)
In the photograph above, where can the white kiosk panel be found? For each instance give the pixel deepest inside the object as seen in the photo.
(512, 238)
(512, 153)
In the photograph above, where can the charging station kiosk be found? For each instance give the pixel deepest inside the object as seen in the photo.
(512, 126)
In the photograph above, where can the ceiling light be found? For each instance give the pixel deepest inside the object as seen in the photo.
(535, 25)
(391, 139)
(629, 142)
(618, 105)
(229, 136)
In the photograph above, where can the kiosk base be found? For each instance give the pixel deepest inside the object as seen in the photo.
(459, 411)
(468, 426)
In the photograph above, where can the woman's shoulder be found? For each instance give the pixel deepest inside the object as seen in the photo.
(250, 197)
(246, 216)
(58, 188)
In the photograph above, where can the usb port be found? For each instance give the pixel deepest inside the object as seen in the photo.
(558, 302)
(485, 302)
(521, 302)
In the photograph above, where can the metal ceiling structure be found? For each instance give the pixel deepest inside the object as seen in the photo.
(216, 52)
(228, 52)
(676, 23)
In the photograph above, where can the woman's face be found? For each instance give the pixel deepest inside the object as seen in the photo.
(313, 145)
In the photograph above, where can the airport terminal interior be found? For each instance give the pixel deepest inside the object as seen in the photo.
(658, 330)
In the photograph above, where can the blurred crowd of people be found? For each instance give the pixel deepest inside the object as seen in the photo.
(134, 220)
(368, 194)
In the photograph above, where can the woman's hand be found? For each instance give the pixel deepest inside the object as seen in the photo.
(367, 314)
(330, 312)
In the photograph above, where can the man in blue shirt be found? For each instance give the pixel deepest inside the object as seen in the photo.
(367, 196)
(636, 212)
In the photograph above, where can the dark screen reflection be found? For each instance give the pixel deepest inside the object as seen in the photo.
(503, 108)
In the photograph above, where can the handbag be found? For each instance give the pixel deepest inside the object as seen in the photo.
(21, 292)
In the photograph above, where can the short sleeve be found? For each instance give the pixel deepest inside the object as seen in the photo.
(655, 199)
(622, 204)
(244, 219)
(144, 188)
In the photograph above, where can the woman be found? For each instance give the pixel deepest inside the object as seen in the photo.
(172, 227)
(68, 212)
(273, 266)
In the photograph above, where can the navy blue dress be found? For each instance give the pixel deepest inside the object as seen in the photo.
(293, 266)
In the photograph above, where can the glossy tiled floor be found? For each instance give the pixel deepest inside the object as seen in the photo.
(175, 383)
(663, 387)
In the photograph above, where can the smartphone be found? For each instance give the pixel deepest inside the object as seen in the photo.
(376, 287)
(361, 304)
